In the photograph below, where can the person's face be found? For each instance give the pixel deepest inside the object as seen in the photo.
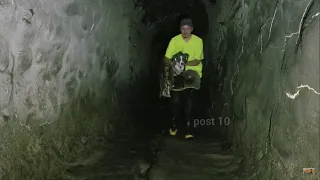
(186, 31)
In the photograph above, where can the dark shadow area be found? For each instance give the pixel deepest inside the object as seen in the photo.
(166, 30)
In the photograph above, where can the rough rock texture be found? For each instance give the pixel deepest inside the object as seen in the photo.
(262, 56)
(269, 54)
(54, 52)
(58, 56)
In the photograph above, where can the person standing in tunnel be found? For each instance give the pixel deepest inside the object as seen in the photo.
(184, 84)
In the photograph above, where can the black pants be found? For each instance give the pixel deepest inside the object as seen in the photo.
(181, 104)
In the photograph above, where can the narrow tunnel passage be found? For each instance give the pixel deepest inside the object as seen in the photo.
(206, 157)
(79, 90)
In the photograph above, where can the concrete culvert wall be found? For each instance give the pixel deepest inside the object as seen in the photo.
(76, 74)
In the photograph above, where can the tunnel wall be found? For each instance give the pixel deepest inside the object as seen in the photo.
(267, 55)
(65, 71)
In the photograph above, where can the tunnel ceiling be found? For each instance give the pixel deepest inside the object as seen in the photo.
(165, 11)
(166, 14)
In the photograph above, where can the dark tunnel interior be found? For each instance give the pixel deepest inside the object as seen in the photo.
(170, 16)
(80, 91)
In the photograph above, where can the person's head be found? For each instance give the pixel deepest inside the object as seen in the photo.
(186, 27)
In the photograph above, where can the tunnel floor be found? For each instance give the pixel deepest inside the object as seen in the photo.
(159, 158)
(194, 161)
(153, 155)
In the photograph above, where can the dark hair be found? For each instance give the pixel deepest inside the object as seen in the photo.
(186, 21)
